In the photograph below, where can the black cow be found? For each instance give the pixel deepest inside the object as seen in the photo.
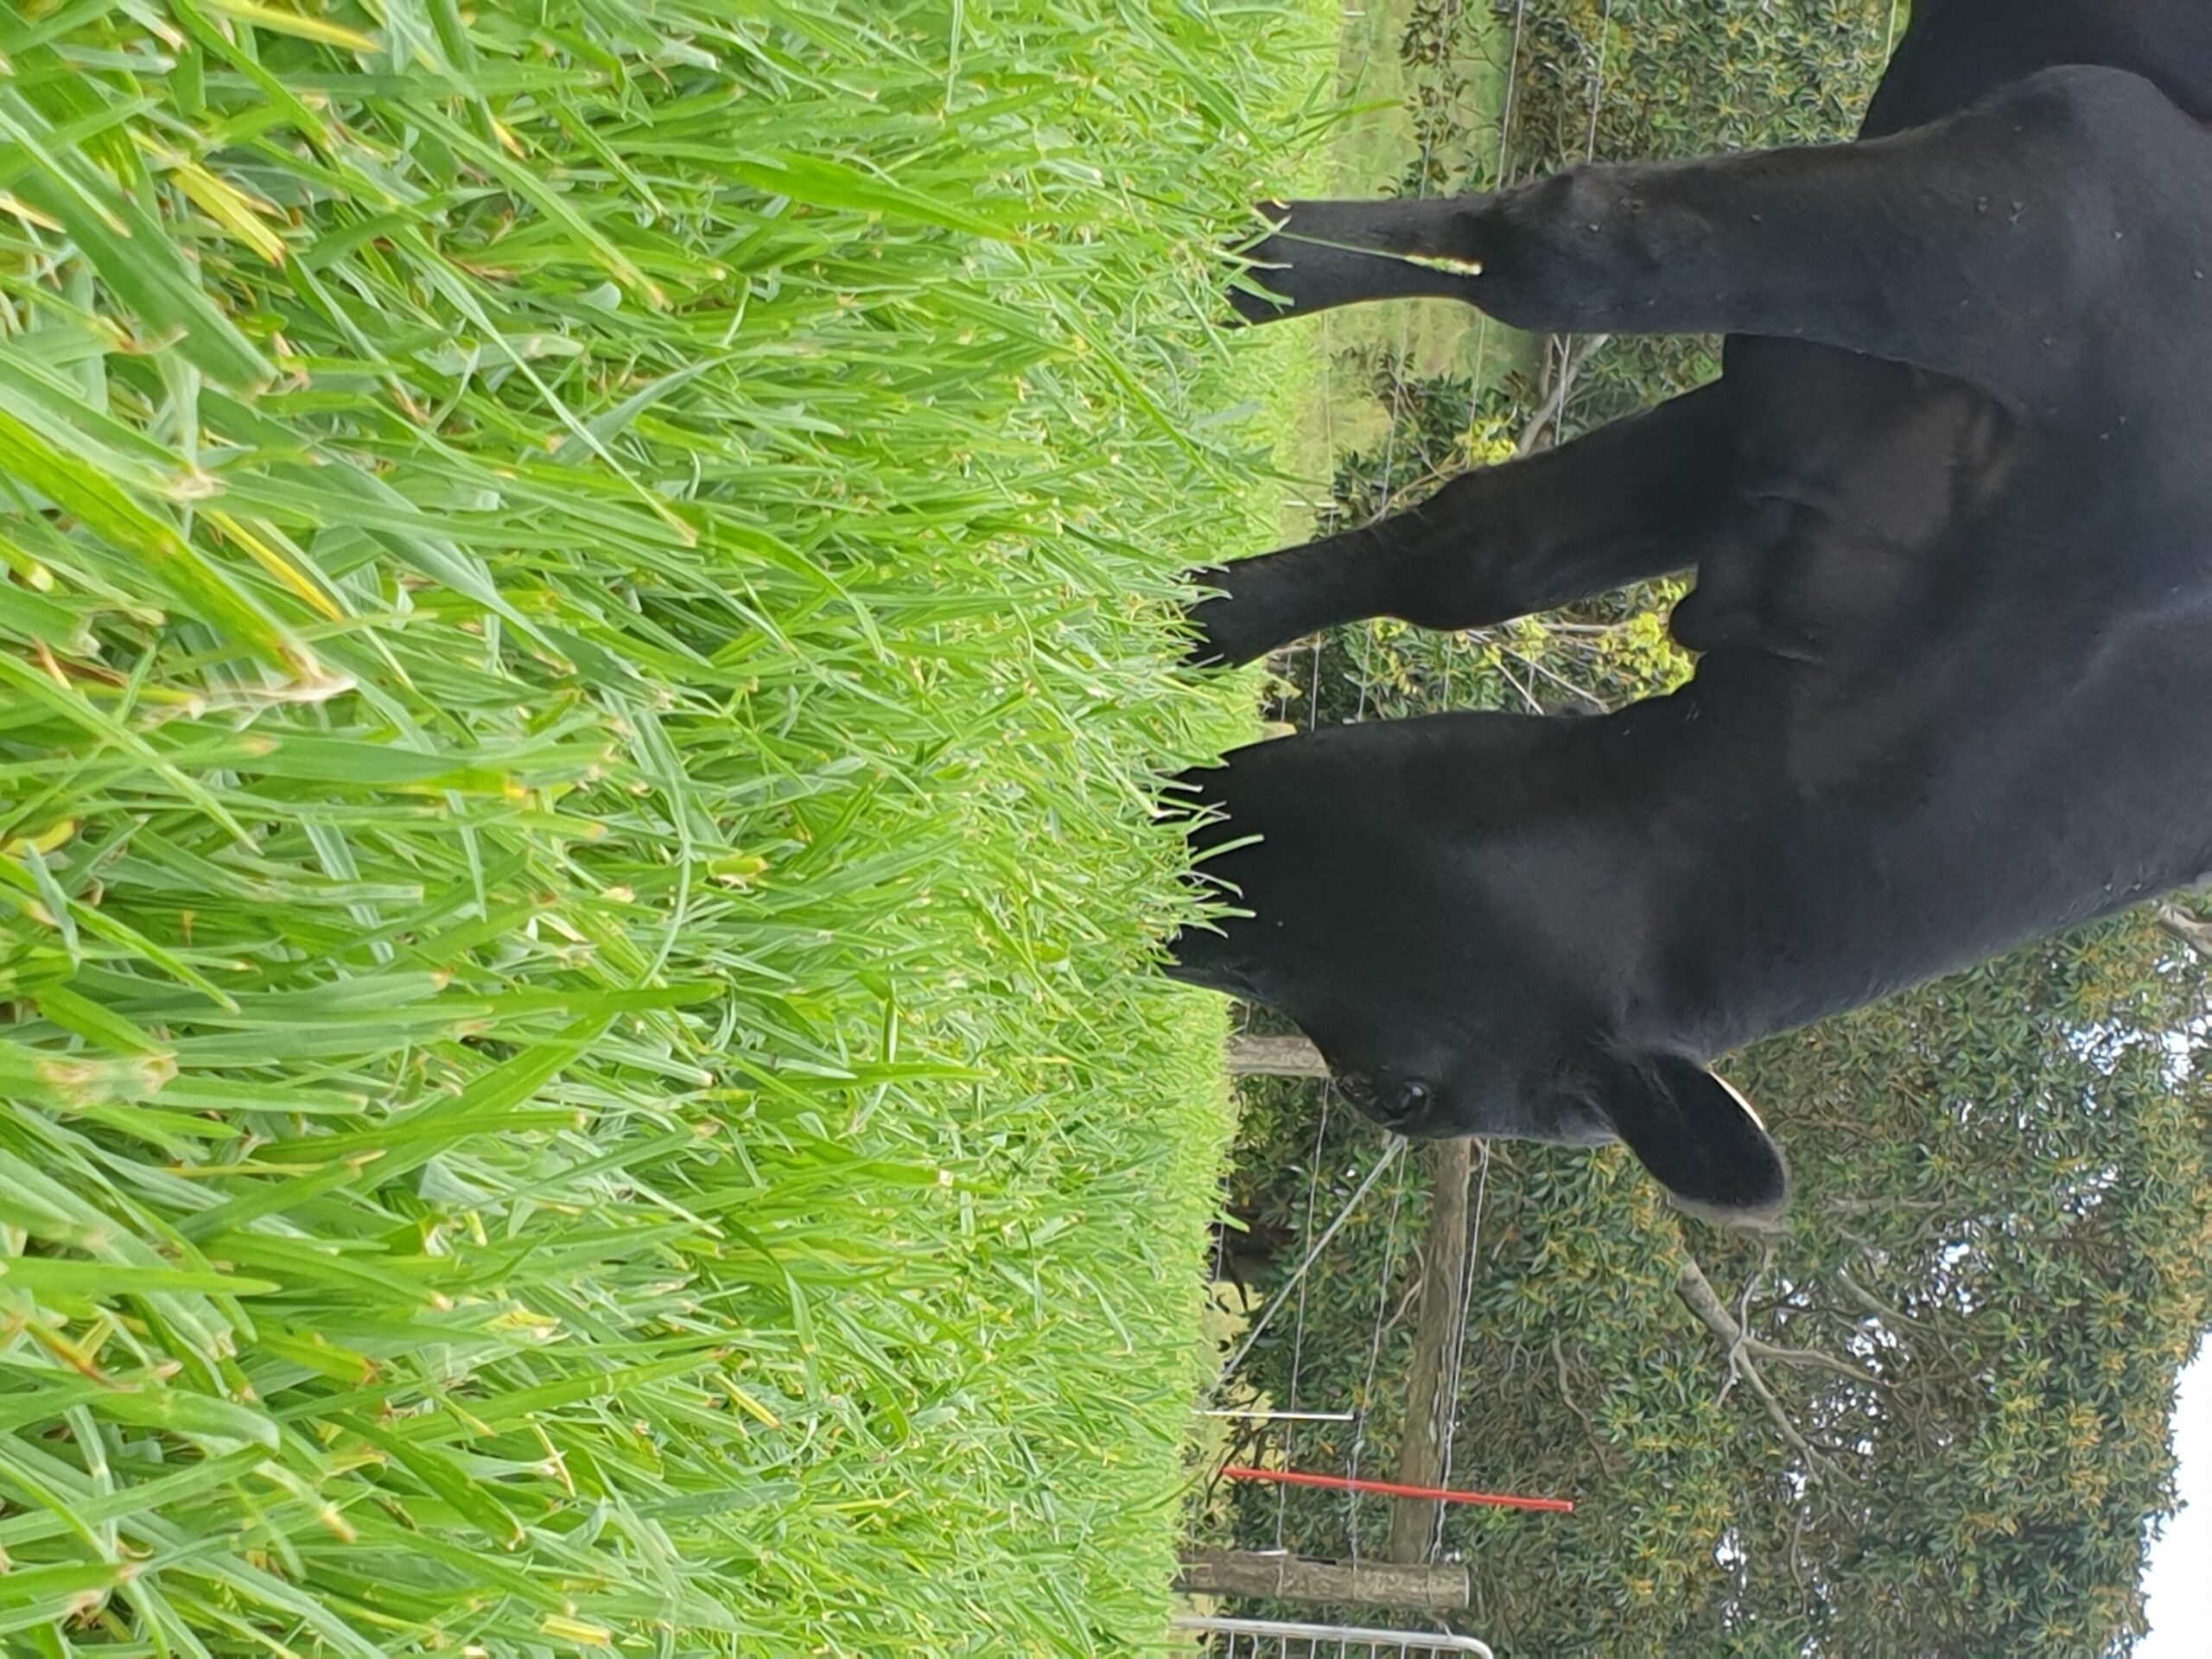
(1950, 509)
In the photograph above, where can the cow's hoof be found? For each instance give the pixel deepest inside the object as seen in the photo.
(1222, 631)
(1264, 265)
(1248, 304)
(1206, 649)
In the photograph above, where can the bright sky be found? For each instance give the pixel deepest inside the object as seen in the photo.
(2180, 1581)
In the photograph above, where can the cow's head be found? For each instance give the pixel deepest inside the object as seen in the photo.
(1457, 981)
(1428, 1079)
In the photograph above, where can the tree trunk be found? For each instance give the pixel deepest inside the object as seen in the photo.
(1286, 1578)
(1444, 1269)
(1275, 1056)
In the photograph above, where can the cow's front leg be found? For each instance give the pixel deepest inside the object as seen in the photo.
(1984, 246)
(1627, 501)
(1320, 255)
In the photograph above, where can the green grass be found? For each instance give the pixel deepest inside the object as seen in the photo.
(584, 642)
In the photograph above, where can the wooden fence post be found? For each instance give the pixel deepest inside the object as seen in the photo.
(1275, 1056)
(1444, 1268)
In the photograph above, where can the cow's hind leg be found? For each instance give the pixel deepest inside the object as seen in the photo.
(1630, 500)
(1984, 246)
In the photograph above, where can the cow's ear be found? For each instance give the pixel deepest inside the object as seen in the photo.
(1698, 1136)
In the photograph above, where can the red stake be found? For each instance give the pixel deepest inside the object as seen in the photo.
(1391, 1489)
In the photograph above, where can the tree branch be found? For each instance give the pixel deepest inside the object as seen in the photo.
(1575, 354)
(1607, 1458)
(1850, 1206)
(1874, 1305)
(2194, 933)
(1744, 1353)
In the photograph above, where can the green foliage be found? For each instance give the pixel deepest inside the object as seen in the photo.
(2002, 1250)
(581, 650)
(2020, 1162)
(1637, 80)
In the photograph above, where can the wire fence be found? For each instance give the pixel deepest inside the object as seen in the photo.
(1269, 1638)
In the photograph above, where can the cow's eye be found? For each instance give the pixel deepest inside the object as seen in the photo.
(1412, 1103)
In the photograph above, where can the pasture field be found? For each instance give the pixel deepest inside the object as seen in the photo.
(584, 644)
